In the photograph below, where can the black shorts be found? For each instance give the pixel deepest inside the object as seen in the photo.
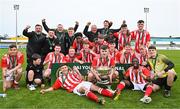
(36, 76)
(131, 85)
(162, 81)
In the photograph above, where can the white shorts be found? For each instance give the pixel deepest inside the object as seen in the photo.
(139, 86)
(84, 84)
(9, 77)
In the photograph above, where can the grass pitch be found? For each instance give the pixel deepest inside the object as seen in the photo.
(24, 98)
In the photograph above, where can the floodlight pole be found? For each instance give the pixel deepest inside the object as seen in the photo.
(16, 8)
(146, 11)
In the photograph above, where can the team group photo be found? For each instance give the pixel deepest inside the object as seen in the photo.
(107, 63)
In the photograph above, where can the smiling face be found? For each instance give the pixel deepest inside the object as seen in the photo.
(71, 52)
(104, 53)
(140, 26)
(38, 28)
(64, 69)
(152, 53)
(94, 28)
(12, 51)
(60, 27)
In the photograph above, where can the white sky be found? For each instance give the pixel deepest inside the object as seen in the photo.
(163, 19)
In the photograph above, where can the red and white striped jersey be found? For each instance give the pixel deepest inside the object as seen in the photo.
(54, 58)
(141, 38)
(122, 40)
(10, 62)
(140, 57)
(86, 56)
(116, 54)
(134, 74)
(70, 81)
(97, 47)
(108, 61)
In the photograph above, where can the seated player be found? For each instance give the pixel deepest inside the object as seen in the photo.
(142, 55)
(11, 64)
(34, 72)
(126, 55)
(86, 54)
(113, 51)
(71, 80)
(97, 44)
(71, 57)
(136, 77)
(53, 57)
(163, 70)
(106, 62)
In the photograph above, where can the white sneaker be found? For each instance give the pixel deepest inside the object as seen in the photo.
(146, 99)
(32, 87)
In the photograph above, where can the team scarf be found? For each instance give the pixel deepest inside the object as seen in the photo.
(123, 40)
(86, 56)
(104, 61)
(127, 58)
(12, 61)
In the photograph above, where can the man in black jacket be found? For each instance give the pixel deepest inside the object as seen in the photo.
(51, 41)
(106, 29)
(90, 34)
(36, 40)
(60, 32)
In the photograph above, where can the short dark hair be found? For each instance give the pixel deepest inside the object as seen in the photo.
(123, 25)
(36, 56)
(111, 41)
(58, 45)
(140, 21)
(12, 46)
(152, 47)
(104, 47)
(106, 21)
(51, 30)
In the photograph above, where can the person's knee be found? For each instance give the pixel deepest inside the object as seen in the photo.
(82, 89)
(155, 87)
(30, 74)
(47, 74)
(38, 81)
(171, 74)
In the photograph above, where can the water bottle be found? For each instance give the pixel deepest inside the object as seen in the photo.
(3, 95)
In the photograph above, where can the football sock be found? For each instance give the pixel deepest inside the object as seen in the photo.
(30, 82)
(148, 91)
(91, 96)
(121, 86)
(105, 92)
(167, 87)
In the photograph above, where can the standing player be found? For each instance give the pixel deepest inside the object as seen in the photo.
(123, 36)
(71, 80)
(11, 64)
(141, 36)
(136, 78)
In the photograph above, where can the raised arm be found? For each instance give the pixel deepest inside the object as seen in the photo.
(76, 26)
(45, 25)
(26, 33)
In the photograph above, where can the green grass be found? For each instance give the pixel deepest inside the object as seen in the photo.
(24, 98)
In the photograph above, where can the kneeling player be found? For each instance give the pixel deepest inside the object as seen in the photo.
(71, 80)
(34, 72)
(136, 78)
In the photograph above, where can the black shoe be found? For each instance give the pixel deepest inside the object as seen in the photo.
(167, 93)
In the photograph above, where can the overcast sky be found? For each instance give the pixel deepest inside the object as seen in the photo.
(163, 18)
